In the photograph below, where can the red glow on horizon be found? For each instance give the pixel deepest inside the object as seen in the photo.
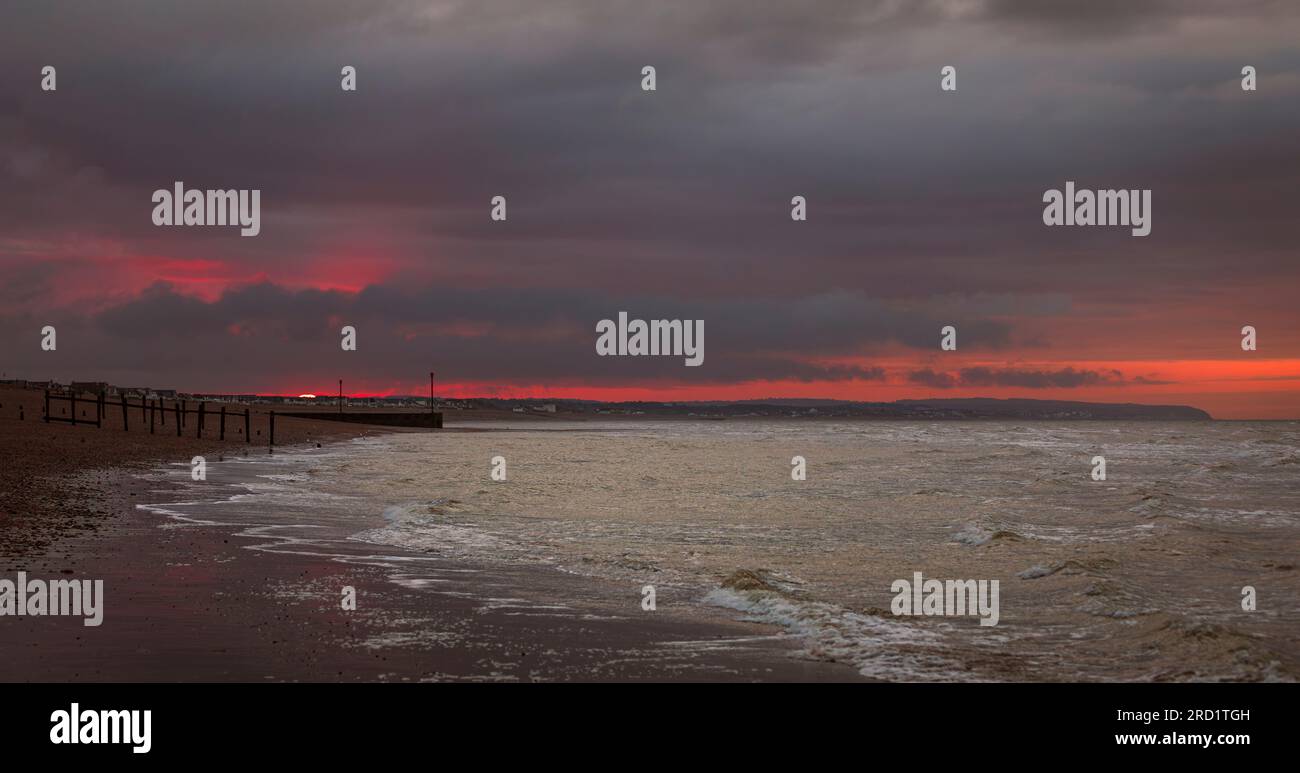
(1227, 389)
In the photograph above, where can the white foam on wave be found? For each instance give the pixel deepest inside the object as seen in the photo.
(973, 534)
(878, 648)
(415, 525)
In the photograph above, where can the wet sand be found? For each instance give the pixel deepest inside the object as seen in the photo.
(39, 499)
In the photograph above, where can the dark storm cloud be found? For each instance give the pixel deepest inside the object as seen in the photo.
(512, 335)
(837, 323)
(25, 283)
(918, 200)
(1065, 378)
(1038, 379)
(460, 101)
(1093, 17)
(931, 378)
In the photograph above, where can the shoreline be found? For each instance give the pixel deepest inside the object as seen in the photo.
(192, 603)
(46, 467)
(454, 596)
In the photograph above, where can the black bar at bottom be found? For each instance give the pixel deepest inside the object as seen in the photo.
(998, 723)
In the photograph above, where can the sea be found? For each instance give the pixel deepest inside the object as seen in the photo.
(1179, 565)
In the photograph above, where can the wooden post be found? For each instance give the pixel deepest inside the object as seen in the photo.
(124, 426)
(162, 412)
(177, 406)
(200, 434)
(248, 435)
(143, 410)
(222, 436)
(152, 411)
(185, 409)
(272, 445)
(73, 398)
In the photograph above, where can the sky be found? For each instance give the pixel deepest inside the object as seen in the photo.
(924, 206)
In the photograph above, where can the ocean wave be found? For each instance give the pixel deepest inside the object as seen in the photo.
(975, 535)
(876, 646)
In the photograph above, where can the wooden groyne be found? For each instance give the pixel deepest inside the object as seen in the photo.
(153, 413)
(201, 419)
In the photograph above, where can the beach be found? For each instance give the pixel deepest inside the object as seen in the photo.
(205, 604)
(756, 575)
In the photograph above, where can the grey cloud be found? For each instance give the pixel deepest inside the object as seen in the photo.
(1097, 17)
(931, 378)
(505, 336)
(942, 198)
(829, 324)
(917, 199)
(1065, 378)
